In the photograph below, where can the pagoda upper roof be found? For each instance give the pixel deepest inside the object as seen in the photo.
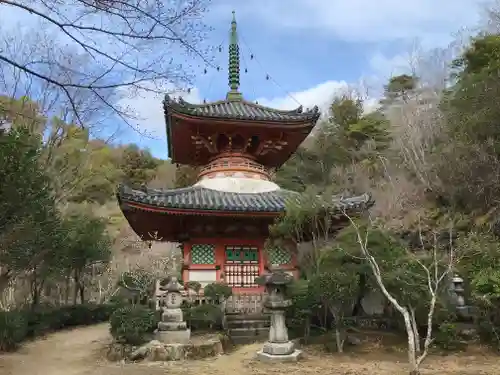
(197, 198)
(240, 109)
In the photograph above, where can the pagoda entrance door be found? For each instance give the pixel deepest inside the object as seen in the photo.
(241, 266)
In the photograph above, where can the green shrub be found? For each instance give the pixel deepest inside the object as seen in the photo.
(193, 285)
(448, 338)
(204, 317)
(217, 290)
(18, 325)
(304, 304)
(13, 329)
(133, 324)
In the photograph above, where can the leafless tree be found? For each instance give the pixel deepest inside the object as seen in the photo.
(114, 45)
(436, 274)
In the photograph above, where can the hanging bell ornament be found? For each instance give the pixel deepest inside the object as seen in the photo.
(246, 70)
(205, 71)
(220, 48)
(251, 56)
(267, 77)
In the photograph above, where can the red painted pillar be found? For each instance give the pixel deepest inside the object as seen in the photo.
(220, 256)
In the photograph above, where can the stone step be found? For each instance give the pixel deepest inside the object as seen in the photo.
(257, 316)
(250, 332)
(248, 323)
(245, 340)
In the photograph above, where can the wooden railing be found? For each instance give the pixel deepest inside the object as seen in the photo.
(238, 303)
(244, 303)
(224, 165)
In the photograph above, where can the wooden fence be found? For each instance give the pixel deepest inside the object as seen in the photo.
(245, 303)
(238, 303)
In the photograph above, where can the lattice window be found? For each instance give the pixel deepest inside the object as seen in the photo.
(242, 266)
(279, 256)
(242, 254)
(203, 254)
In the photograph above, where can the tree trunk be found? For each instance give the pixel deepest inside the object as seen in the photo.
(76, 278)
(412, 356)
(35, 296)
(35, 292)
(339, 341)
(307, 329)
(82, 293)
(416, 334)
(358, 308)
(67, 289)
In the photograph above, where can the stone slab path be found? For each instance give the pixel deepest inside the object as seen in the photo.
(81, 352)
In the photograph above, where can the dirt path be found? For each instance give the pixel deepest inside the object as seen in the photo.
(80, 352)
(71, 352)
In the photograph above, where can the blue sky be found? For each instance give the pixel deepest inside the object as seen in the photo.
(314, 48)
(311, 49)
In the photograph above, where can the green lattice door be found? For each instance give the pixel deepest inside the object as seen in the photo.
(241, 266)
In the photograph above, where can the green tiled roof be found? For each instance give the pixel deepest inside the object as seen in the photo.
(240, 110)
(199, 198)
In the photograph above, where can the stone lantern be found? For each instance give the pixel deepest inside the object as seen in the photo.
(278, 347)
(458, 288)
(172, 328)
(458, 291)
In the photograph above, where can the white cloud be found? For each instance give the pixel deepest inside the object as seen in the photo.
(147, 108)
(371, 21)
(383, 67)
(320, 95)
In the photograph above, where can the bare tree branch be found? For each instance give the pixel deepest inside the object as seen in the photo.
(127, 44)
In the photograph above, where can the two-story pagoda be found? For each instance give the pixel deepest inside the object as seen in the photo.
(223, 220)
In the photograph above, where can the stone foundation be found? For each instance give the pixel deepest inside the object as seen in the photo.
(158, 351)
(279, 352)
(173, 337)
(292, 357)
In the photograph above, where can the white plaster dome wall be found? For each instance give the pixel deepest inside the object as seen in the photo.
(242, 185)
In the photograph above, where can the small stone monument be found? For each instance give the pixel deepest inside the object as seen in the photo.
(172, 329)
(278, 348)
(459, 300)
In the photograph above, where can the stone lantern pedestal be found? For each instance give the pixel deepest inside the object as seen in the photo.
(278, 348)
(172, 329)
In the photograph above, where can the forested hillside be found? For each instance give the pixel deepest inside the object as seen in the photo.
(56, 169)
(429, 156)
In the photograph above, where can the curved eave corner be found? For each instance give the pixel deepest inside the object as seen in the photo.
(305, 119)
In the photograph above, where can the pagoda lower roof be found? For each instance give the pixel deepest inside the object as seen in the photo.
(241, 110)
(196, 198)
